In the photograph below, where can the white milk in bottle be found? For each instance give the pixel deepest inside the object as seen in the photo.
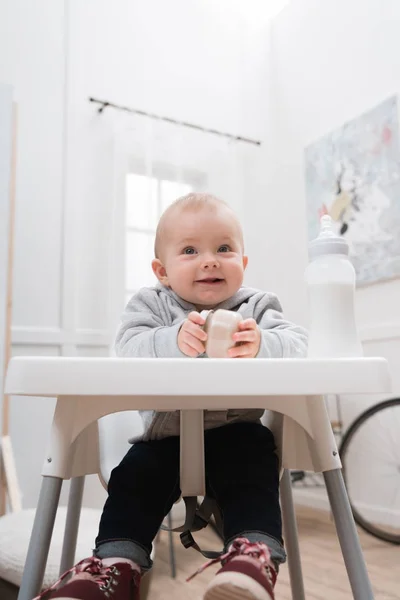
(331, 278)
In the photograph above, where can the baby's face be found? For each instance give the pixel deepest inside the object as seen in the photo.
(202, 256)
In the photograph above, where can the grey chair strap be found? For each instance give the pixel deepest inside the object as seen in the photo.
(192, 481)
(197, 518)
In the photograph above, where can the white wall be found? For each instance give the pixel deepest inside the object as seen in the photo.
(212, 63)
(199, 61)
(31, 51)
(331, 61)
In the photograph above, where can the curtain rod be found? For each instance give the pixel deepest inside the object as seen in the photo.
(237, 138)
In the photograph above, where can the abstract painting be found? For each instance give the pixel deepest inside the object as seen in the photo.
(353, 174)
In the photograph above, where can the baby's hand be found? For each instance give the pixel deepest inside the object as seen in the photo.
(191, 336)
(248, 339)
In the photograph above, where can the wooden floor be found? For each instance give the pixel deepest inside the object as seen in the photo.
(324, 573)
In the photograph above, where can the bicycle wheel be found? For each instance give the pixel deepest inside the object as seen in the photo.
(370, 453)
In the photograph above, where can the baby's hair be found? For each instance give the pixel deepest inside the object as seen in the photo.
(194, 201)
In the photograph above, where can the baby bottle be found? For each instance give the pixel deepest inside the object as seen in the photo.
(331, 278)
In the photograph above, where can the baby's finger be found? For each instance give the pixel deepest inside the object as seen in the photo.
(195, 330)
(244, 351)
(196, 317)
(189, 351)
(245, 336)
(247, 324)
(193, 342)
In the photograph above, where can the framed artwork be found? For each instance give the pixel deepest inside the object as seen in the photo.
(353, 174)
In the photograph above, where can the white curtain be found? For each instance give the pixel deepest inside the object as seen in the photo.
(154, 163)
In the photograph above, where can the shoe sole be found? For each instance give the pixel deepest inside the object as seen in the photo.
(235, 586)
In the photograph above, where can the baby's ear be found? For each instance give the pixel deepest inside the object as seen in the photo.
(159, 271)
(245, 261)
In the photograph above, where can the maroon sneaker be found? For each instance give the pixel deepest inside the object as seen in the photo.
(247, 573)
(91, 580)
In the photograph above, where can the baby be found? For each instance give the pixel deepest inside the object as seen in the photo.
(199, 263)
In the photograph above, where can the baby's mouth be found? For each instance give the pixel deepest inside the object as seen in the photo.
(210, 280)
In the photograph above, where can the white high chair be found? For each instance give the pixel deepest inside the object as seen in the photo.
(89, 388)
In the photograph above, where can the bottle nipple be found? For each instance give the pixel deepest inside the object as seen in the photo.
(327, 242)
(326, 222)
(326, 227)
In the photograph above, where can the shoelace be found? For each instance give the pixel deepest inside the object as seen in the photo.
(93, 566)
(242, 547)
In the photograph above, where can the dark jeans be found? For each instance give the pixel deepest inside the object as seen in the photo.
(242, 474)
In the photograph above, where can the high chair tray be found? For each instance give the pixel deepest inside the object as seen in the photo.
(166, 379)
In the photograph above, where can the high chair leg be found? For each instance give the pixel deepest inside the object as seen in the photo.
(72, 523)
(171, 547)
(348, 536)
(39, 544)
(291, 538)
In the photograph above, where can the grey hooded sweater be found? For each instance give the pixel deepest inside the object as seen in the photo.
(150, 326)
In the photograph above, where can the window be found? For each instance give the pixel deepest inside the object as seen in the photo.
(146, 199)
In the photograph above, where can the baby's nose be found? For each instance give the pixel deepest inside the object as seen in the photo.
(210, 261)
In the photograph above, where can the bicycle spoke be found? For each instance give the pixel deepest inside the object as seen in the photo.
(387, 430)
(383, 433)
(370, 453)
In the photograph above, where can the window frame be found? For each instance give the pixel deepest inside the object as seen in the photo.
(160, 172)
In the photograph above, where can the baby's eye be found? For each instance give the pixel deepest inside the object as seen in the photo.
(224, 248)
(189, 250)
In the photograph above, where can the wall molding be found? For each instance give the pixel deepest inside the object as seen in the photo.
(380, 332)
(54, 336)
(318, 498)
